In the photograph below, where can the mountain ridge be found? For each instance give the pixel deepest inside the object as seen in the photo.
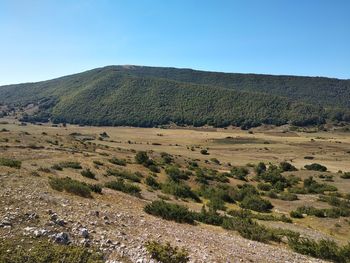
(94, 97)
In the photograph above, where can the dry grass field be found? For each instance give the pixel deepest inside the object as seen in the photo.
(40, 147)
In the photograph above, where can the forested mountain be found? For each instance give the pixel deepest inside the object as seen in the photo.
(149, 96)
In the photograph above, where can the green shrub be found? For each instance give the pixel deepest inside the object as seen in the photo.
(168, 211)
(260, 168)
(204, 152)
(57, 167)
(71, 186)
(167, 158)
(239, 173)
(314, 187)
(88, 174)
(286, 196)
(296, 214)
(264, 186)
(10, 163)
(121, 162)
(287, 167)
(96, 162)
(96, 188)
(166, 253)
(154, 168)
(135, 177)
(121, 186)
(141, 157)
(152, 182)
(176, 174)
(345, 175)
(42, 251)
(324, 249)
(256, 203)
(73, 165)
(316, 167)
(250, 229)
(180, 190)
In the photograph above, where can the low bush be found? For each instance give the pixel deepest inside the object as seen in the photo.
(176, 174)
(166, 253)
(99, 163)
(264, 186)
(135, 177)
(57, 167)
(287, 167)
(121, 162)
(204, 152)
(152, 182)
(256, 203)
(179, 190)
(10, 163)
(168, 211)
(296, 214)
(141, 157)
(239, 173)
(42, 251)
(314, 187)
(88, 174)
(167, 158)
(73, 165)
(71, 186)
(96, 188)
(121, 186)
(324, 249)
(345, 175)
(286, 196)
(316, 167)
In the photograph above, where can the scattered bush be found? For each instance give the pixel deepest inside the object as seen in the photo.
(313, 187)
(73, 165)
(152, 182)
(345, 175)
(96, 162)
(57, 167)
(316, 167)
(167, 158)
(176, 174)
(168, 211)
(296, 214)
(180, 190)
(121, 162)
(42, 251)
(204, 152)
(287, 167)
(324, 249)
(166, 253)
(135, 177)
(71, 186)
(10, 163)
(264, 186)
(256, 203)
(120, 185)
(88, 174)
(239, 173)
(96, 188)
(141, 157)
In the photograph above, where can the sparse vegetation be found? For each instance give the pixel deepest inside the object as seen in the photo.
(166, 253)
(124, 187)
(71, 186)
(10, 163)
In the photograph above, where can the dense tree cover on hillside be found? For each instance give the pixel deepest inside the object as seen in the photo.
(145, 96)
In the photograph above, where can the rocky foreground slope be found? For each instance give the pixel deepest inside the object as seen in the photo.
(116, 223)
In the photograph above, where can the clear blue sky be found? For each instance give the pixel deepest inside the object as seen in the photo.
(43, 39)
